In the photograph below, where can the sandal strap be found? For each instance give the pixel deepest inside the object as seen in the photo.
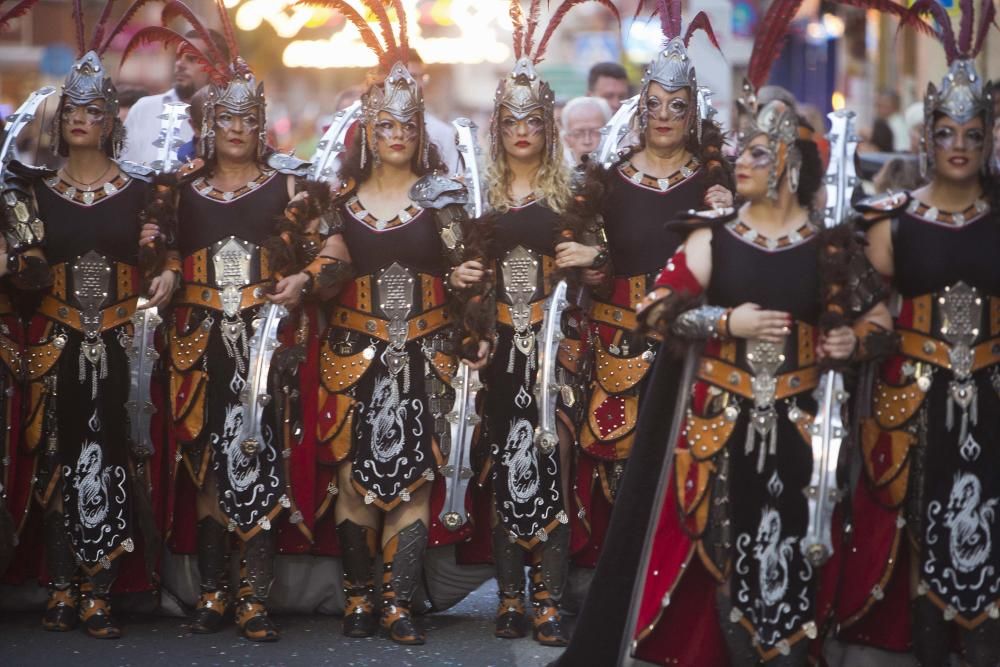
(61, 598)
(94, 606)
(217, 601)
(249, 609)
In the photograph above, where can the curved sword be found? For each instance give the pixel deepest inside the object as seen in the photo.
(612, 134)
(827, 431)
(332, 144)
(142, 356)
(458, 469)
(471, 155)
(255, 397)
(18, 120)
(547, 388)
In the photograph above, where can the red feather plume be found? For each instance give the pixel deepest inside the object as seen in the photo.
(368, 35)
(404, 37)
(81, 44)
(167, 37)
(517, 18)
(227, 31)
(557, 18)
(95, 43)
(534, 10)
(177, 9)
(20, 9)
(769, 43)
(906, 18)
(701, 22)
(945, 33)
(967, 9)
(125, 19)
(377, 8)
(987, 18)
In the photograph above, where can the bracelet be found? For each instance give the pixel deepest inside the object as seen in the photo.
(722, 326)
(602, 257)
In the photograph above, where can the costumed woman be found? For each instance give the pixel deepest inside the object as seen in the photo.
(926, 511)
(388, 355)
(723, 579)
(93, 482)
(223, 222)
(537, 238)
(676, 166)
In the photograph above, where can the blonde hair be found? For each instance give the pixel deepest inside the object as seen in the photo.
(552, 182)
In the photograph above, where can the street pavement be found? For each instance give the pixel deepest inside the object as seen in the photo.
(461, 636)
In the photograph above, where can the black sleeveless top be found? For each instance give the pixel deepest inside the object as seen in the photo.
(532, 226)
(415, 244)
(785, 279)
(251, 213)
(634, 219)
(930, 256)
(109, 226)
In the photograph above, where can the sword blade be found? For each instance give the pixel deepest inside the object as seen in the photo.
(546, 386)
(256, 397)
(458, 469)
(142, 357)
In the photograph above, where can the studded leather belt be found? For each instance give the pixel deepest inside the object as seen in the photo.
(617, 316)
(203, 296)
(504, 313)
(111, 317)
(376, 327)
(919, 346)
(731, 378)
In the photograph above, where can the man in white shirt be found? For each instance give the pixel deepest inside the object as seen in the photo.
(582, 120)
(142, 126)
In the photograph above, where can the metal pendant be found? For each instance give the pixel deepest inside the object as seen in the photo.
(91, 284)
(520, 282)
(231, 261)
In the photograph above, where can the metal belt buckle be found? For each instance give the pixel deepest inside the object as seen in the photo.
(764, 360)
(961, 313)
(231, 260)
(520, 270)
(395, 296)
(91, 283)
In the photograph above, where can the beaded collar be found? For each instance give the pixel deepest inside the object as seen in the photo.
(975, 211)
(87, 197)
(743, 231)
(209, 191)
(629, 172)
(356, 209)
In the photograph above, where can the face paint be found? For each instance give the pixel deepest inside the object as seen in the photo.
(93, 113)
(675, 109)
(386, 129)
(512, 126)
(227, 121)
(760, 157)
(946, 138)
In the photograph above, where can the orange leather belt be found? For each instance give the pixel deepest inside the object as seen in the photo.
(937, 352)
(368, 324)
(203, 296)
(111, 317)
(730, 378)
(617, 316)
(504, 313)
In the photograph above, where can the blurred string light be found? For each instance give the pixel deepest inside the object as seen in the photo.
(828, 27)
(481, 36)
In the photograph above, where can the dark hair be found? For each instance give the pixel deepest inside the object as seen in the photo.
(351, 169)
(610, 70)
(217, 39)
(718, 170)
(129, 96)
(810, 173)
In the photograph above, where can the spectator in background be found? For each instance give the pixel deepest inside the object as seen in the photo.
(889, 133)
(582, 120)
(897, 175)
(142, 125)
(127, 98)
(608, 81)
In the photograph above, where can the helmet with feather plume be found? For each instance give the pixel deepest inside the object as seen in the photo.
(232, 85)
(523, 91)
(963, 93)
(672, 68)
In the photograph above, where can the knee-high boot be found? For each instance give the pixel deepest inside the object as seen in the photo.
(548, 579)
(738, 643)
(402, 558)
(930, 633)
(256, 576)
(95, 604)
(213, 570)
(61, 609)
(357, 544)
(509, 560)
(981, 647)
